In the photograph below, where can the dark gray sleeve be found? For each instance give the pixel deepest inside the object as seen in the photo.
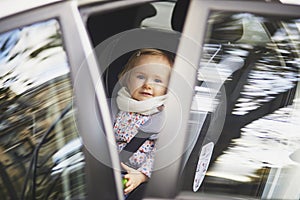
(155, 123)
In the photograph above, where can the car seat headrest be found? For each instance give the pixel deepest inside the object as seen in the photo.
(104, 25)
(178, 14)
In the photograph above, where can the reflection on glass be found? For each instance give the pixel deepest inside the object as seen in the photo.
(256, 59)
(41, 154)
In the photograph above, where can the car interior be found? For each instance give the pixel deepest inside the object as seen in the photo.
(228, 34)
(251, 106)
(125, 19)
(131, 18)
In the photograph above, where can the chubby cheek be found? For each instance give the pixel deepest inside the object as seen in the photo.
(160, 90)
(132, 85)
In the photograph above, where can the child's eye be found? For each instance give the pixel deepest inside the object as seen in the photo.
(140, 76)
(157, 80)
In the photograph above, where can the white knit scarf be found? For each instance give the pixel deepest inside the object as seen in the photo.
(146, 107)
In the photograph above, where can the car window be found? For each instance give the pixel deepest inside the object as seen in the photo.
(250, 68)
(140, 25)
(41, 156)
(127, 29)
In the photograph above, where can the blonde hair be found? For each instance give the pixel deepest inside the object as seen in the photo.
(146, 51)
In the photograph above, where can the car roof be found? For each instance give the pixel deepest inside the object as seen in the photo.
(17, 6)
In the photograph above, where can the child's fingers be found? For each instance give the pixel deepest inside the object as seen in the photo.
(129, 189)
(127, 176)
(128, 169)
(130, 185)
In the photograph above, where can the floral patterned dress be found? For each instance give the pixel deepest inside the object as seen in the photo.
(125, 128)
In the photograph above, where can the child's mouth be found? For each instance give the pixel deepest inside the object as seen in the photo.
(145, 93)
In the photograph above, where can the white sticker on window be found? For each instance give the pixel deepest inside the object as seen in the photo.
(202, 165)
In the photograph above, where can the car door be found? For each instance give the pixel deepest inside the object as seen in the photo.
(233, 100)
(215, 91)
(235, 88)
(51, 125)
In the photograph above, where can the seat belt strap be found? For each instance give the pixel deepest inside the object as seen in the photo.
(145, 131)
(135, 143)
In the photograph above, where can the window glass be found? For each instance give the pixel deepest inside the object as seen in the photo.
(41, 155)
(250, 68)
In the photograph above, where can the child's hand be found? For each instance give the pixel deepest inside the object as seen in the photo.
(134, 177)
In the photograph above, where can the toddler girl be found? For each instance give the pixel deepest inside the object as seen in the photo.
(145, 79)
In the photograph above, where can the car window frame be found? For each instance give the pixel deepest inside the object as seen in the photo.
(162, 184)
(79, 52)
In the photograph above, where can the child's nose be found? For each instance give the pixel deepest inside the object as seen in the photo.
(147, 84)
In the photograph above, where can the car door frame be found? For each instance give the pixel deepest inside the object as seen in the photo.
(93, 117)
(166, 179)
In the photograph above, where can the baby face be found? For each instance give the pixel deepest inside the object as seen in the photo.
(149, 78)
